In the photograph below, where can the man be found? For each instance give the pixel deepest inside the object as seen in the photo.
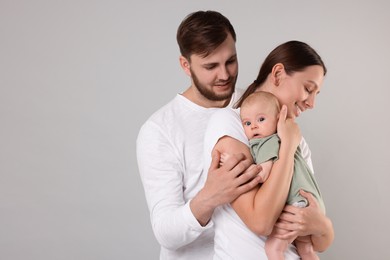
(181, 198)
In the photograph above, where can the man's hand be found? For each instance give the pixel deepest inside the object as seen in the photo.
(236, 176)
(224, 184)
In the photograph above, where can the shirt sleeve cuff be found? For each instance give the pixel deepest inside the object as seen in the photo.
(192, 221)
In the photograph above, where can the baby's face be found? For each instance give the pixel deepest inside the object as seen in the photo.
(259, 120)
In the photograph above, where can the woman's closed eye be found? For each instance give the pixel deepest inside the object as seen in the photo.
(308, 89)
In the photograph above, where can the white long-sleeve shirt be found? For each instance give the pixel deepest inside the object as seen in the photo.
(170, 161)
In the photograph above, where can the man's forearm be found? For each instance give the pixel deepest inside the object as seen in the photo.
(202, 208)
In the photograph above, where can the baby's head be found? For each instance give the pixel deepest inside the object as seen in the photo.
(259, 114)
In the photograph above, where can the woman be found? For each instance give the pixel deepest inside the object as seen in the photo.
(294, 73)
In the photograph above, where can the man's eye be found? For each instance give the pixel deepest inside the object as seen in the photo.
(231, 61)
(209, 67)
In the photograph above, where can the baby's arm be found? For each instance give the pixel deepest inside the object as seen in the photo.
(267, 166)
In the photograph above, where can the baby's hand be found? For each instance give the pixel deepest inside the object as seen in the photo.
(224, 157)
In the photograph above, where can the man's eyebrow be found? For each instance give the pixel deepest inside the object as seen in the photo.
(210, 64)
(234, 56)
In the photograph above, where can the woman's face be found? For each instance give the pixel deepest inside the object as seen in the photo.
(298, 91)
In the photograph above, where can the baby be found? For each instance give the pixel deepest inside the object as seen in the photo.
(259, 115)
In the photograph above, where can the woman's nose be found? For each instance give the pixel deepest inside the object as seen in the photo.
(310, 102)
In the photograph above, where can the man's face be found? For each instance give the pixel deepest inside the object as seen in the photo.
(215, 76)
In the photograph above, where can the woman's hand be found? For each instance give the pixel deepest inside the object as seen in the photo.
(301, 221)
(298, 222)
(288, 130)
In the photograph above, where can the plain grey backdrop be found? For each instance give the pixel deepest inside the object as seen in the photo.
(78, 78)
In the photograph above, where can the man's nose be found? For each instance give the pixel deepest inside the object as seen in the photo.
(223, 73)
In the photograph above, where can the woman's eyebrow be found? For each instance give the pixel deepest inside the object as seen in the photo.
(313, 82)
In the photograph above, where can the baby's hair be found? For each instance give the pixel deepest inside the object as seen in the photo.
(264, 97)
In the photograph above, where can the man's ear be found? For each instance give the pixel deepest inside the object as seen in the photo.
(185, 65)
(277, 73)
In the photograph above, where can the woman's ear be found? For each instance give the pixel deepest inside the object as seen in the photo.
(185, 65)
(277, 73)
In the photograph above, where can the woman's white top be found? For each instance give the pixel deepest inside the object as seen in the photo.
(233, 239)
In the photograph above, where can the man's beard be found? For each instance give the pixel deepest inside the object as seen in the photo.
(209, 94)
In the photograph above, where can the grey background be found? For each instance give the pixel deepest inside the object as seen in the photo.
(78, 78)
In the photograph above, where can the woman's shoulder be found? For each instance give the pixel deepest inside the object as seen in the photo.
(225, 118)
(226, 122)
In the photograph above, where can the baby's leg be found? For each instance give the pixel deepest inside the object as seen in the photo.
(305, 248)
(275, 248)
(224, 157)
